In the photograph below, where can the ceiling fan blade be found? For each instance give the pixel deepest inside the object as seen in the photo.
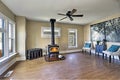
(63, 18)
(77, 15)
(61, 14)
(70, 18)
(73, 11)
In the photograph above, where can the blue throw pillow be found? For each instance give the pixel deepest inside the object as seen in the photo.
(87, 45)
(114, 48)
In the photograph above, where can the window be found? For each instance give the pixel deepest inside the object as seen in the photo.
(11, 37)
(1, 22)
(72, 38)
(7, 37)
(1, 37)
(1, 45)
(46, 32)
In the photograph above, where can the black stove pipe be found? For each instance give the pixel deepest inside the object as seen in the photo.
(52, 31)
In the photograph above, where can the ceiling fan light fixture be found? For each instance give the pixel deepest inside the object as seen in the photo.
(69, 14)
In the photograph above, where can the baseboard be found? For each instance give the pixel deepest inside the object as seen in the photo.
(19, 58)
(70, 51)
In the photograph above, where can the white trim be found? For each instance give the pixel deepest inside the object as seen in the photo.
(72, 31)
(70, 51)
(48, 29)
(6, 58)
(5, 17)
(22, 58)
(7, 62)
(6, 35)
(5, 67)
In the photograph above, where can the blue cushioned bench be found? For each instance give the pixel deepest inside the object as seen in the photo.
(114, 50)
(87, 46)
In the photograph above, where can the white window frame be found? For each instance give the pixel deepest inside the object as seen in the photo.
(3, 30)
(12, 37)
(72, 37)
(6, 37)
(48, 29)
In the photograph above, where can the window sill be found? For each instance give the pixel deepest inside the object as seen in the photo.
(72, 47)
(6, 59)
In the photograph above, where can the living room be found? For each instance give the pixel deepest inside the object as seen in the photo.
(28, 32)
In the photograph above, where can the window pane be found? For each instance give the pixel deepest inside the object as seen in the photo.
(10, 45)
(10, 30)
(11, 37)
(72, 38)
(1, 23)
(1, 44)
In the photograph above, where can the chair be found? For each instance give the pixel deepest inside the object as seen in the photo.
(87, 47)
(114, 50)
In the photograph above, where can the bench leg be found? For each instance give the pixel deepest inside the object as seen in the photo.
(103, 55)
(110, 59)
(82, 50)
(106, 56)
(119, 57)
(90, 51)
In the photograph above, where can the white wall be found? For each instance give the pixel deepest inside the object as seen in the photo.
(21, 37)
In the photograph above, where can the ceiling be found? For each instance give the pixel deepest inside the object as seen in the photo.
(43, 10)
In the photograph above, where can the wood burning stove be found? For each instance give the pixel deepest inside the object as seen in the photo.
(53, 52)
(53, 49)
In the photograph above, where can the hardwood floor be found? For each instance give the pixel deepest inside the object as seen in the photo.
(76, 66)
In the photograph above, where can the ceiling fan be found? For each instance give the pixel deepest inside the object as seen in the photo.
(69, 14)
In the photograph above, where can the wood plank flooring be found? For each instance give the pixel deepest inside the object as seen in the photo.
(76, 66)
